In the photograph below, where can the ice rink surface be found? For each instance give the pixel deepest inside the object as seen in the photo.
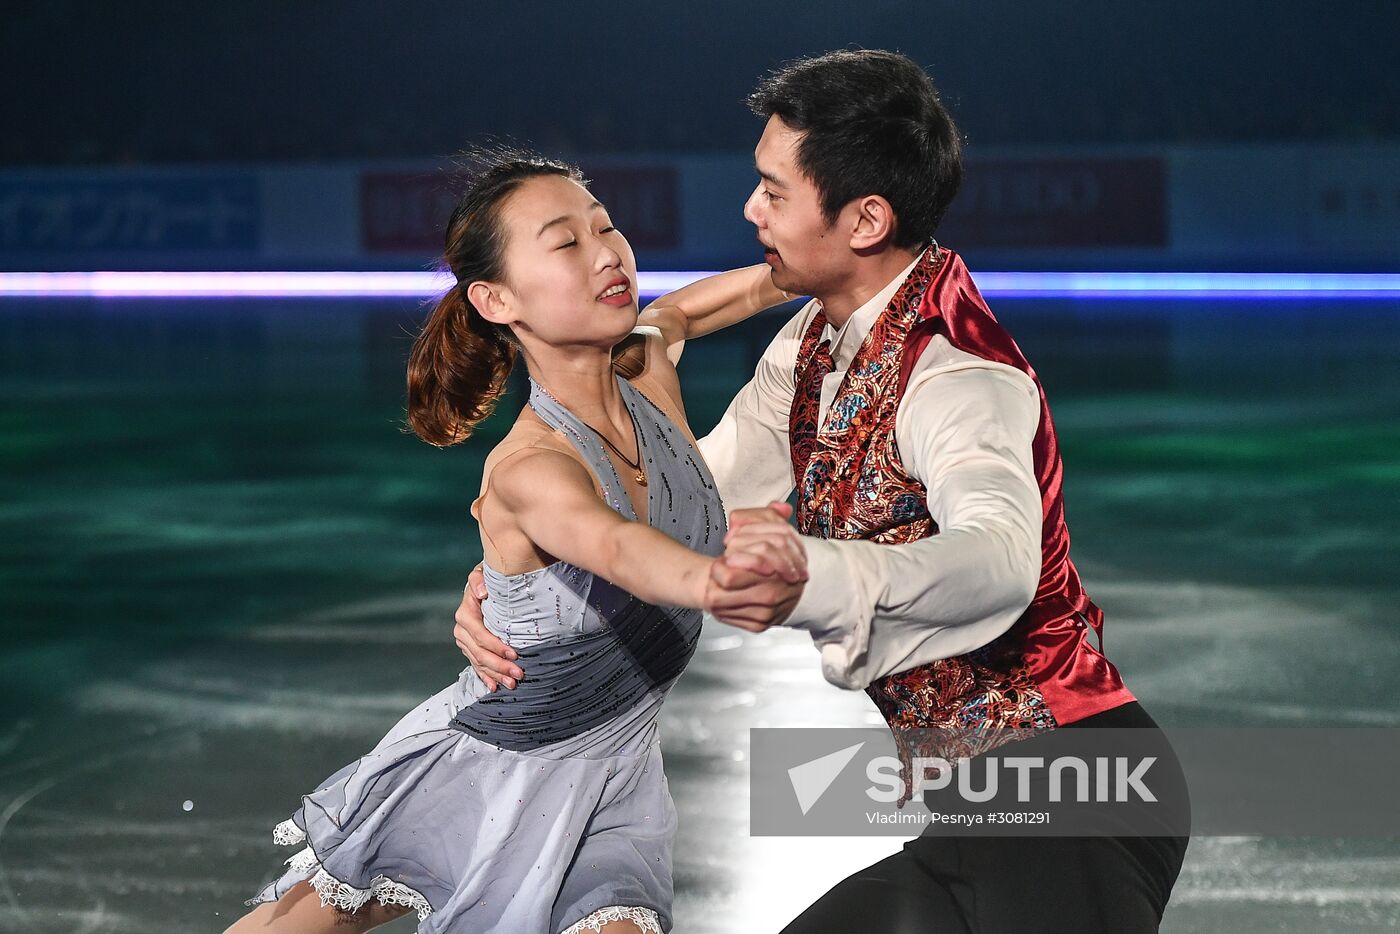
(226, 573)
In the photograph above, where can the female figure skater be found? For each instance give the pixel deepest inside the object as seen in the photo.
(545, 809)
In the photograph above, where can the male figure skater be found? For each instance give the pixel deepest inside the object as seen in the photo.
(929, 496)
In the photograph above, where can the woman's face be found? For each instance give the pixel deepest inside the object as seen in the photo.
(570, 276)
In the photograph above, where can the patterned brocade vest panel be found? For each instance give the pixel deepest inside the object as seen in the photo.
(1042, 672)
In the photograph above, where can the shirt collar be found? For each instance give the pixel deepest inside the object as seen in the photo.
(846, 341)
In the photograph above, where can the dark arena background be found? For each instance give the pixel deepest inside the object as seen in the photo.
(226, 569)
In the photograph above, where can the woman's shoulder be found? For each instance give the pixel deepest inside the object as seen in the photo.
(642, 361)
(498, 529)
(529, 433)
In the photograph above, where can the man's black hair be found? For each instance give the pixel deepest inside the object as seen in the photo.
(872, 124)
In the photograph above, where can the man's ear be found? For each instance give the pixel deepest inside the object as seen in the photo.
(486, 298)
(873, 222)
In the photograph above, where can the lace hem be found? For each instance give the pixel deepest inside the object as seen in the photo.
(342, 895)
(646, 919)
(288, 833)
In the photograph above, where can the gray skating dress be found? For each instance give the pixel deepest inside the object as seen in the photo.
(542, 809)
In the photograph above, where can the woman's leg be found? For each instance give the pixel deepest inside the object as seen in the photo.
(300, 912)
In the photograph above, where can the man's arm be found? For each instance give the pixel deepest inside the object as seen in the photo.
(966, 432)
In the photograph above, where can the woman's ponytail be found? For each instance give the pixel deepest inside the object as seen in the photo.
(457, 371)
(459, 364)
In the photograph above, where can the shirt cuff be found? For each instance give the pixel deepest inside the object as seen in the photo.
(836, 609)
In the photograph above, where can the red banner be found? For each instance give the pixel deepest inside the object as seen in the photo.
(408, 211)
(1059, 203)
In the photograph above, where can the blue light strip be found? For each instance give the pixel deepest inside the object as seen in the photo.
(1214, 285)
(362, 284)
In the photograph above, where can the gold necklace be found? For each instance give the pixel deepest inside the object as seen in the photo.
(641, 477)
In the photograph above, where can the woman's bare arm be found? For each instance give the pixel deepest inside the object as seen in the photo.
(552, 499)
(710, 304)
(748, 607)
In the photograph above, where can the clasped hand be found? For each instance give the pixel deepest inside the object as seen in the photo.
(759, 578)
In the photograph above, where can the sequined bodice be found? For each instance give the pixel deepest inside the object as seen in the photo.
(583, 642)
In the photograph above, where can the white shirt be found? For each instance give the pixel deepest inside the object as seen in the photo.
(964, 429)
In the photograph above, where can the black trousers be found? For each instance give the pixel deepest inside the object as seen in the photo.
(940, 884)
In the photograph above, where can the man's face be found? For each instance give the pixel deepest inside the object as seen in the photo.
(808, 256)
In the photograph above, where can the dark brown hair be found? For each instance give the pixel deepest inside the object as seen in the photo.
(872, 123)
(459, 363)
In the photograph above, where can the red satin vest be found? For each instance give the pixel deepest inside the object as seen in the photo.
(1043, 671)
